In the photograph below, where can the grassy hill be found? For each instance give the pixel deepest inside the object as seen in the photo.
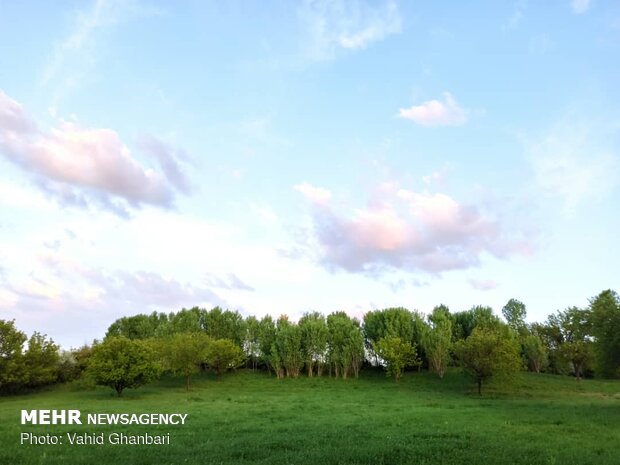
(255, 418)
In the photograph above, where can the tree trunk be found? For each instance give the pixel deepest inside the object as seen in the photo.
(188, 382)
(479, 386)
(119, 390)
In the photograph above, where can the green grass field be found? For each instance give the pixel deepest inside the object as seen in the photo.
(255, 418)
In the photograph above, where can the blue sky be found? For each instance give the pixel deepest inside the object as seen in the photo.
(281, 157)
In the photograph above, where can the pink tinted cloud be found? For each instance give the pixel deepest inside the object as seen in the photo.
(408, 230)
(436, 112)
(79, 302)
(80, 165)
(13, 119)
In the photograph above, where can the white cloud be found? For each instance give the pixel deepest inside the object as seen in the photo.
(580, 6)
(436, 112)
(346, 24)
(17, 196)
(317, 195)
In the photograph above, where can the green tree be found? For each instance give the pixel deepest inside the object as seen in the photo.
(184, 321)
(138, 326)
(489, 352)
(373, 329)
(345, 344)
(398, 323)
(514, 313)
(605, 318)
(437, 341)
(120, 363)
(397, 354)
(355, 348)
(391, 322)
(535, 353)
(224, 324)
(439, 312)
(222, 355)
(576, 346)
(41, 361)
(465, 322)
(313, 341)
(73, 363)
(288, 346)
(251, 343)
(183, 353)
(12, 371)
(267, 344)
(551, 336)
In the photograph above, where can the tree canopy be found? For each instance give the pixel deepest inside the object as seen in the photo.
(605, 325)
(120, 363)
(489, 352)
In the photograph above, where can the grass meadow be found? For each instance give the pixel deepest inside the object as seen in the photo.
(254, 418)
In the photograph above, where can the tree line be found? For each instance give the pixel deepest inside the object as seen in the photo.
(138, 349)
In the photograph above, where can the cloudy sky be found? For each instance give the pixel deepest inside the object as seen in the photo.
(279, 157)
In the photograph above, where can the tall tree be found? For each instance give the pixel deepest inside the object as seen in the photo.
(437, 340)
(138, 326)
(391, 322)
(535, 353)
(288, 345)
(466, 321)
(605, 317)
(346, 344)
(41, 361)
(224, 324)
(267, 344)
(313, 341)
(550, 333)
(398, 323)
(184, 321)
(576, 346)
(373, 329)
(514, 313)
(12, 371)
(251, 343)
